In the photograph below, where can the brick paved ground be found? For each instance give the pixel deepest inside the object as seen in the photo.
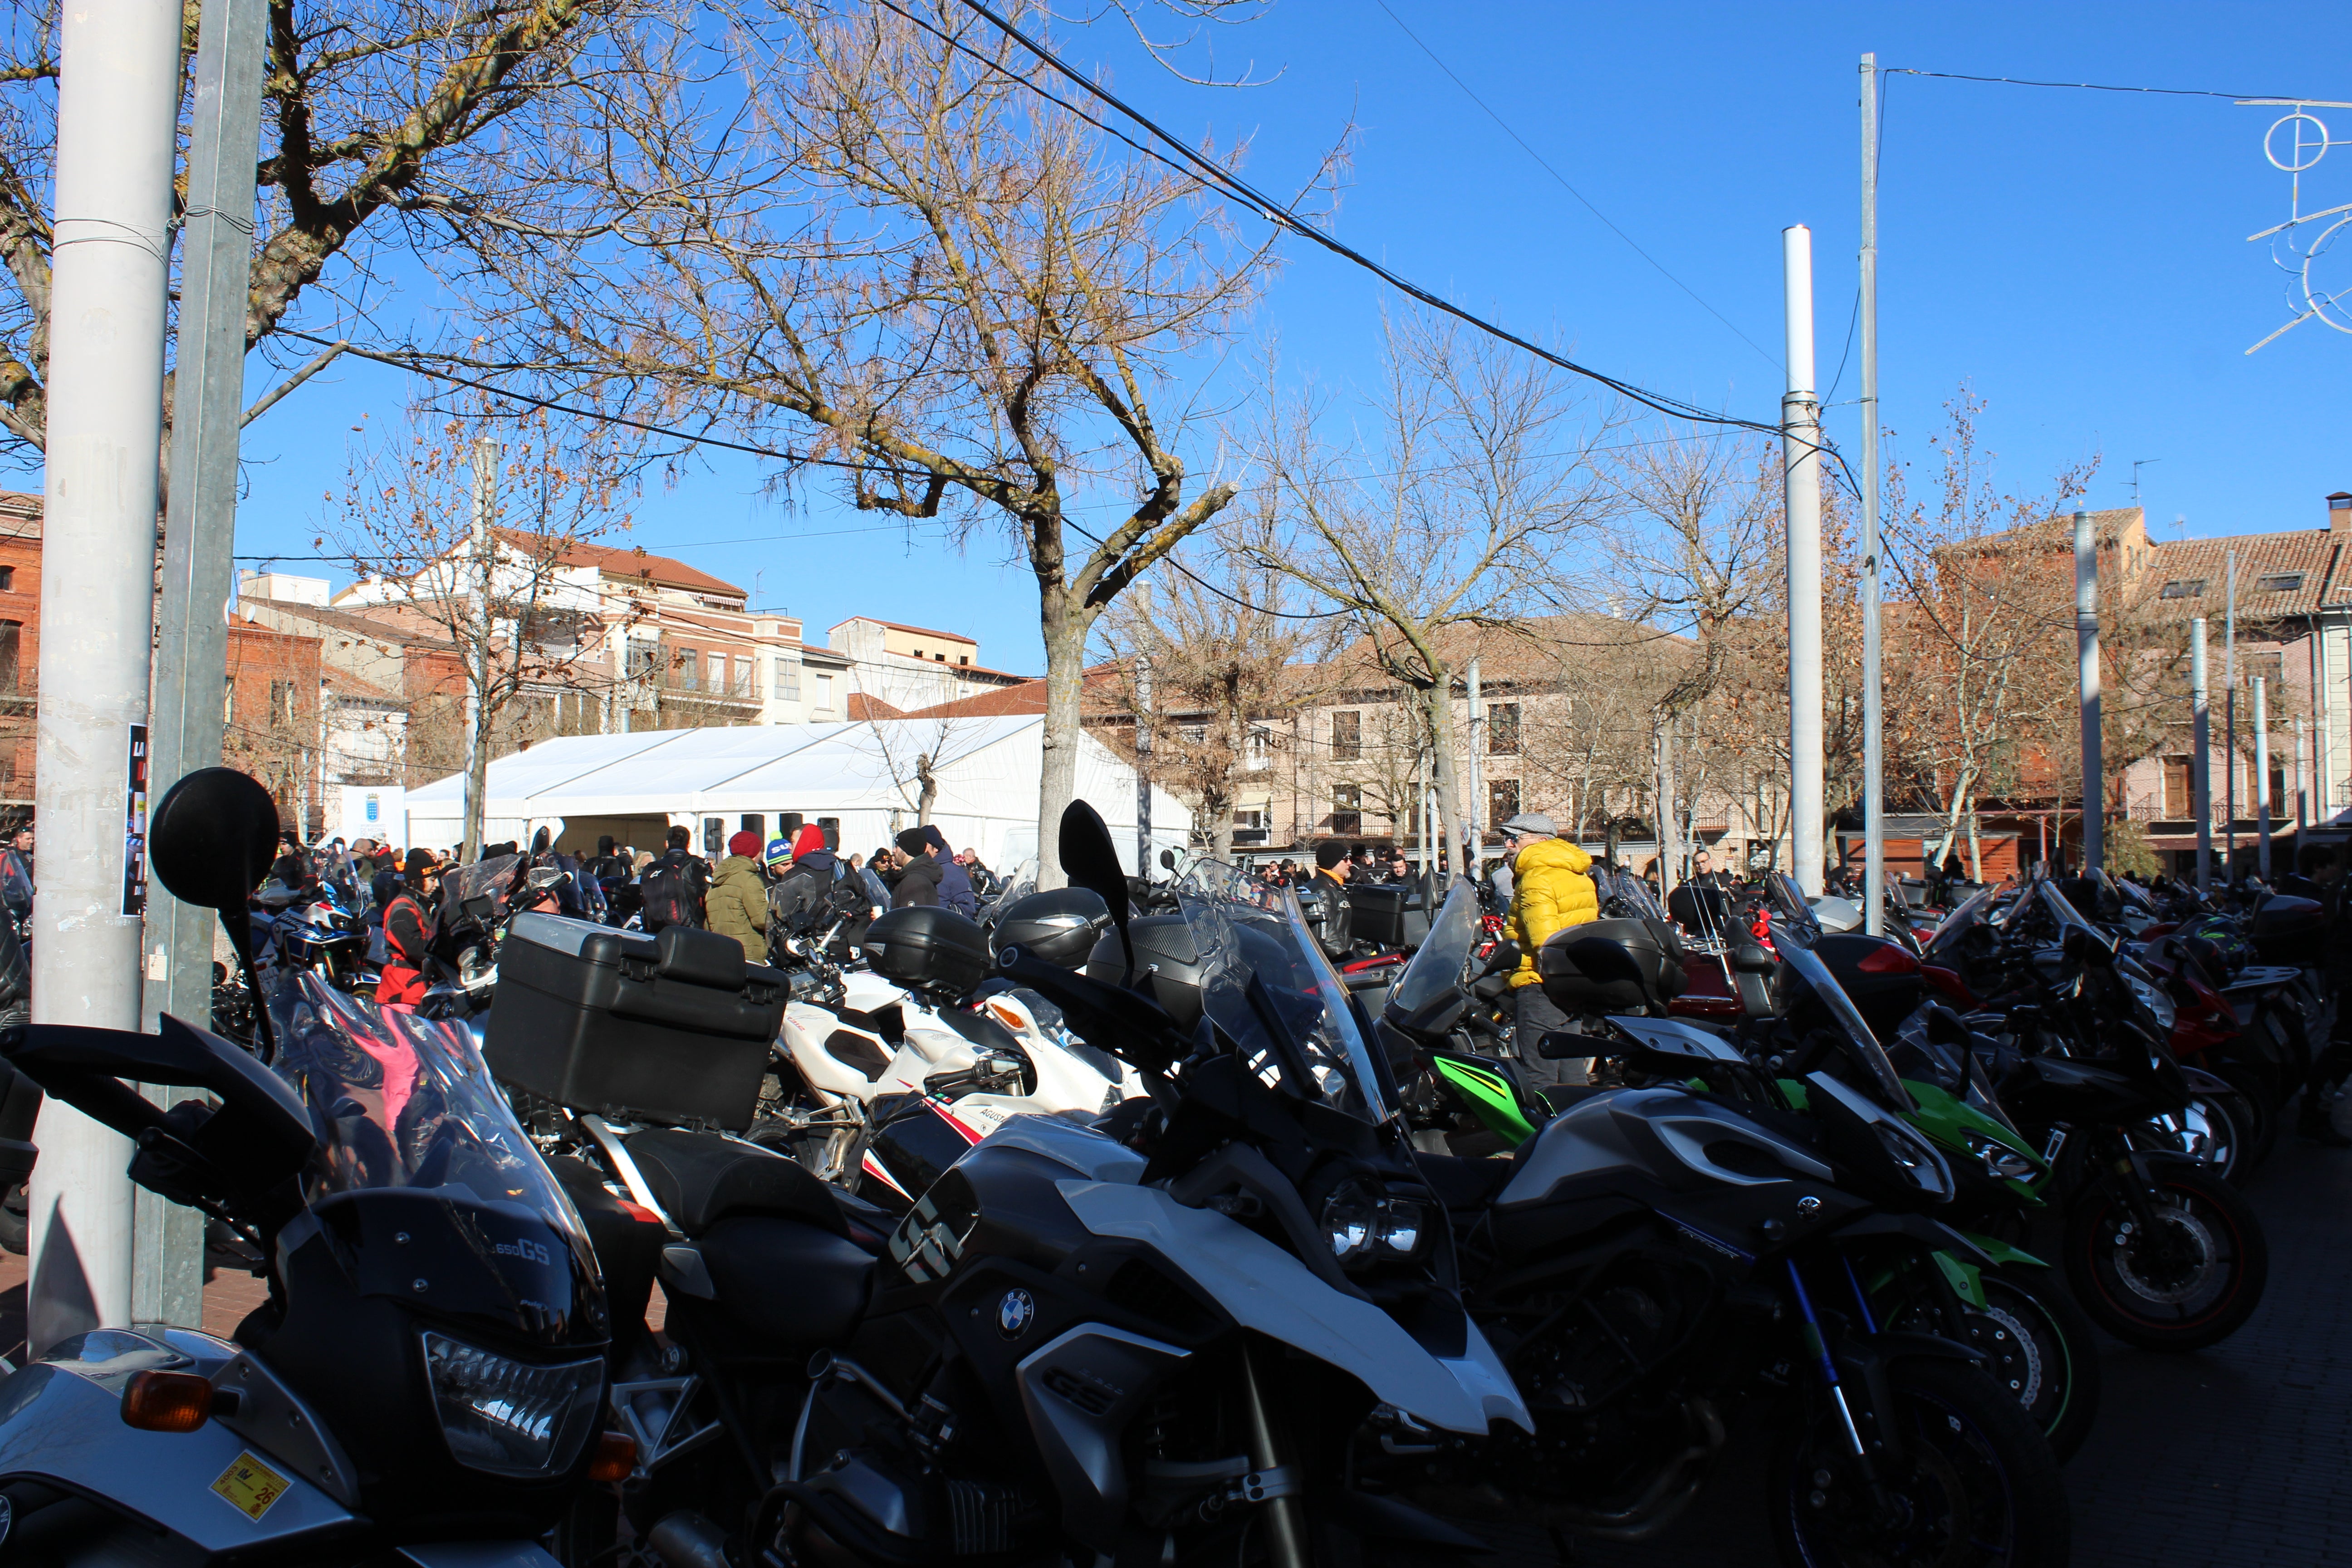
(2238, 1456)
(2232, 1458)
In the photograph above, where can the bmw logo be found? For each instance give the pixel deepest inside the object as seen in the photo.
(1014, 1312)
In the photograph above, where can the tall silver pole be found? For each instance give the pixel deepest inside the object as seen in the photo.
(1471, 816)
(1874, 738)
(117, 100)
(1143, 766)
(2086, 649)
(199, 531)
(2302, 792)
(485, 482)
(2200, 760)
(1800, 443)
(2230, 717)
(2262, 780)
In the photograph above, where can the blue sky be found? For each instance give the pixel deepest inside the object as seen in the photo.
(2079, 257)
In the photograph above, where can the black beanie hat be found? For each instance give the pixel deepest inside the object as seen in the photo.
(419, 862)
(913, 841)
(1329, 853)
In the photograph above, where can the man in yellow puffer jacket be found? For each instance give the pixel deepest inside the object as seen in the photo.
(1550, 892)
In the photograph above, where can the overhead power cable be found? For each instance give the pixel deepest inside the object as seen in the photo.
(2105, 87)
(1264, 207)
(1561, 180)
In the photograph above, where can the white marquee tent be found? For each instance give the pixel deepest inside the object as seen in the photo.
(861, 774)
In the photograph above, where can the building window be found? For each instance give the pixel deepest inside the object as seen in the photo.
(1503, 730)
(687, 666)
(1347, 736)
(1347, 809)
(964, 658)
(12, 640)
(282, 703)
(824, 696)
(1502, 801)
(7, 579)
(1257, 757)
(2280, 583)
(2179, 798)
(2183, 588)
(228, 699)
(788, 680)
(739, 677)
(640, 658)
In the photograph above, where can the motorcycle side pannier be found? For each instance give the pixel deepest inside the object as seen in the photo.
(671, 1028)
(927, 947)
(1610, 966)
(1391, 916)
(1060, 927)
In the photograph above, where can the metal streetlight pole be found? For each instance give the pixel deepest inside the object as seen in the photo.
(2229, 718)
(2087, 648)
(1801, 455)
(199, 534)
(1472, 840)
(2262, 779)
(2201, 757)
(1873, 738)
(117, 101)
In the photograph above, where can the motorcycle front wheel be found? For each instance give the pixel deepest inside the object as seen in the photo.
(2189, 1280)
(2044, 1351)
(1978, 1486)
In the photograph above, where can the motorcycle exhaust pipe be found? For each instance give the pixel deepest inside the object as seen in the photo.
(688, 1539)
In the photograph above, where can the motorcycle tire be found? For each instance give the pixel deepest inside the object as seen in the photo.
(2195, 1287)
(1979, 1483)
(15, 1219)
(2259, 1101)
(2044, 1351)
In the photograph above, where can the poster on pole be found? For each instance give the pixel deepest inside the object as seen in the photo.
(134, 826)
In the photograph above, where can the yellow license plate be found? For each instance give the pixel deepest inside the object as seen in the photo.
(250, 1487)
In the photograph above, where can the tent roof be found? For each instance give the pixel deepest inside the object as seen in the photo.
(814, 767)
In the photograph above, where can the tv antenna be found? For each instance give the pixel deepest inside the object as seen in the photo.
(2138, 464)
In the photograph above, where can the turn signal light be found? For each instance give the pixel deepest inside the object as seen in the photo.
(616, 1456)
(639, 1212)
(167, 1401)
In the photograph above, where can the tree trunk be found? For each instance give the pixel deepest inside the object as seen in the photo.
(928, 784)
(1058, 782)
(1439, 696)
(1669, 823)
(478, 775)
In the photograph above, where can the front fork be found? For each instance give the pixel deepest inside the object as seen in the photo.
(1817, 1345)
(1274, 1471)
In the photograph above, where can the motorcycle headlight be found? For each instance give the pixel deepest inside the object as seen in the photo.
(1363, 1226)
(1915, 1157)
(508, 1417)
(2000, 1160)
(2153, 998)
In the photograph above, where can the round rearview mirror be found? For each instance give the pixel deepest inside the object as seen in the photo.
(212, 836)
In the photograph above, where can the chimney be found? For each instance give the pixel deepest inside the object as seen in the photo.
(2339, 512)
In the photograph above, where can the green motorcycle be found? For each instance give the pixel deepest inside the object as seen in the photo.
(2037, 1342)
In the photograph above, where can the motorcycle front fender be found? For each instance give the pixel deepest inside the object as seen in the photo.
(208, 1488)
(1265, 1289)
(1862, 1366)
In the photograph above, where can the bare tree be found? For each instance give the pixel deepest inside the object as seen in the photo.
(893, 248)
(1984, 647)
(1229, 661)
(1448, 521)
(519, 625)
(379, 119)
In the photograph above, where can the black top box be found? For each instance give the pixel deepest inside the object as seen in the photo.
(674, 1028)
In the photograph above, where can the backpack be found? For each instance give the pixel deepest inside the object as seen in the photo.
(673, 895)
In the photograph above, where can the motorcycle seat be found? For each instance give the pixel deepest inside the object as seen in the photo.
(785, 1283)
(702, 1178)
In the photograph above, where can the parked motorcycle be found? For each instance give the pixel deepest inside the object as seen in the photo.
(428, 1375)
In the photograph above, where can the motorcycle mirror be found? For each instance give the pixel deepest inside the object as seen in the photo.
(210, 841)
(1167, 859)
(1091, 862)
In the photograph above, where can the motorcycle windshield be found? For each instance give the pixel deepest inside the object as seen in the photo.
(493, 878)
(1790, 905)
(399, 1100)
(1795, 945)
(337, 872)
(1265, 982)
(1621, 887)
(1437, 968)
(1957, 925)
